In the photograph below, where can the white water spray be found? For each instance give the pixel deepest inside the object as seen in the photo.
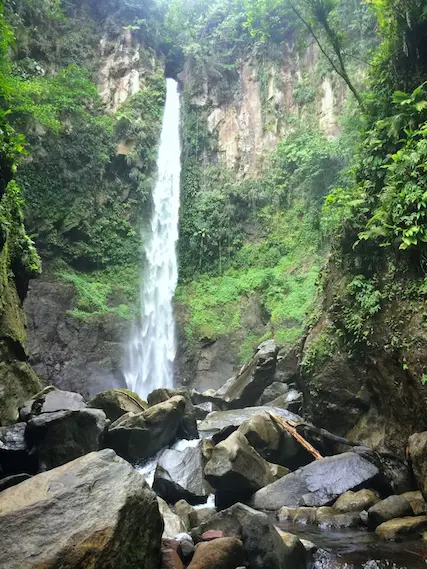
(152, 348)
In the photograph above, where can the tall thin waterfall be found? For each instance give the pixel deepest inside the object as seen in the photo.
(151, 351)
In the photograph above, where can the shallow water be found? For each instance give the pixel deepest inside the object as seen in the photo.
(358, 549)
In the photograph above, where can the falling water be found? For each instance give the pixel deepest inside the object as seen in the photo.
(151, 351)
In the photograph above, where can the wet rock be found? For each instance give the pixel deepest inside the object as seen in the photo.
(309, 546)
(329, 518)
(417, 447)
(244, 389)
(188, 426)
(187, 546)
(222, 553)
(10, 481)
(14, 454)
(183, 510)
(235, 467)
(61, 436)
(318, 483)
(173, 525)
(262, 544)
(398, 528)
(303, 515)
(276, 389)
(139, 436)
(391, 507)
(356, 501)
(51, 402)
(296, 549)
(73, 519)
(220, 420)
(117, 402)
(208, 397)
(417, 502)
(171, 559)
(273, 442)
(211, 534)
(179, 475)
(200, 515)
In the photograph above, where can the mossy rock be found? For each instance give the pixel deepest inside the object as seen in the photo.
(18, 383)
(117, 402)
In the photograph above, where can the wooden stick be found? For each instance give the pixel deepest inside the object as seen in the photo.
(290, 427)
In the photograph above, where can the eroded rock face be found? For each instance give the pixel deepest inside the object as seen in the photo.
(244, 389)
(179, 475)
(262, 544)
(14, 453)
(74, 519)
(139, 436)
(318, 483)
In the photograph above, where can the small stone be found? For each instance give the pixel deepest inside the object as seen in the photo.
(223, 553)
(388, 509)
(211, 534)
(355, 501)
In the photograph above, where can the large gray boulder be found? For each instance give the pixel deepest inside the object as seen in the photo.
(236, 467)
(188, 427)
(51, 400)
(417, 447)
(96, 512)
(245, 389)
(268, 437)
(61, 436)
(179, 475)
(136, 437)
(262, 544)
(317, 484)
(273, 391)
(14, 453)
(117, 402)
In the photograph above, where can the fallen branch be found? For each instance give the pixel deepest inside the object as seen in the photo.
(290, 427)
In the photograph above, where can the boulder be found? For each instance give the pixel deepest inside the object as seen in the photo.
(262, 544)
(14, 454)
(273, 442)
(417, 448)
(398, 528)
(173, 525)
(417, 502)
(203, 409)
(276, 389)
(244, 389)
(317, 484)
(139, 436)
(296, 549)
(200, 515)
(209, 396)
(58, 437)
(179, 475)
(236, 468)
(51, 401)
(117, 402)
(391, 507)
(183, 510)
(219, 421)
(355, 501)
(329, 518)
(72, 518)
(187, 546)
(222, 553)
(188, 426)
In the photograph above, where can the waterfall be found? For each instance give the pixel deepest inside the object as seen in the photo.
(151, 350)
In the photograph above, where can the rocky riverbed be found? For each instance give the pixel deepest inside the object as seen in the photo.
(221, 480)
